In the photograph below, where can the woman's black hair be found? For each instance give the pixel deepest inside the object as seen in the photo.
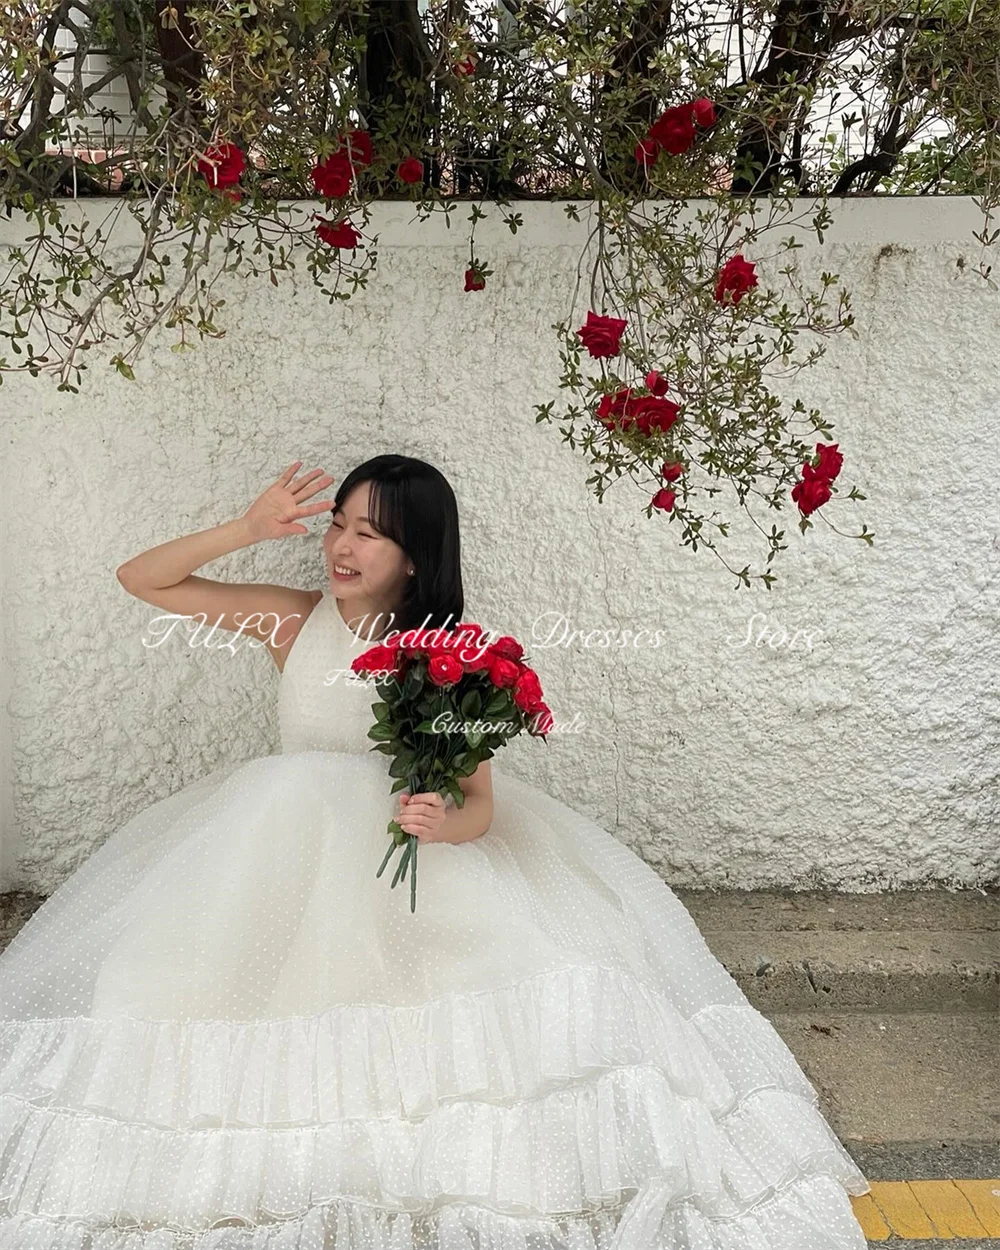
(412, 503)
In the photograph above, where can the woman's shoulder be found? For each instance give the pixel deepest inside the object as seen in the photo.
(297, 619)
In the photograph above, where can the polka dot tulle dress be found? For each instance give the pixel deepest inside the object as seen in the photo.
(222, 1032)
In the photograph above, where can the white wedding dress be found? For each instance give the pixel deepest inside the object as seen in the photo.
(223, 1032)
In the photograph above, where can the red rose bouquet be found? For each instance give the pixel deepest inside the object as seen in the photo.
(446, 701)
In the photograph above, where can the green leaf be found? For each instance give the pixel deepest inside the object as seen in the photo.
(472, 705)
(500, 702)
(402, 765)
(413, 681)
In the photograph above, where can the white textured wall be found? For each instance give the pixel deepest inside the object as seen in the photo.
(869, 761)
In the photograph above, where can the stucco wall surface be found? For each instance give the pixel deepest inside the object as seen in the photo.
(863, 756)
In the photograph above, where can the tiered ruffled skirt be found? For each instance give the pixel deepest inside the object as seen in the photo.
(223, 1033)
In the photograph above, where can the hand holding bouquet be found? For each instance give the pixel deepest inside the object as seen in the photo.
(447, 701)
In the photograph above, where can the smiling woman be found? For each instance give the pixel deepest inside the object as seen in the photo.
(225, 1018)
(367, 568)
(395, 527)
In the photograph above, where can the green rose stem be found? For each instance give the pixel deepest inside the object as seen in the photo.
(413, 876)
(381, 867)
(409, 856)
(401, 866)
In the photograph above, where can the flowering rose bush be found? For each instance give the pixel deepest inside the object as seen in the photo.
(614, 106)
(426, 678)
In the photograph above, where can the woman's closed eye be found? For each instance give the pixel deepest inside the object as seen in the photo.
(361, 533)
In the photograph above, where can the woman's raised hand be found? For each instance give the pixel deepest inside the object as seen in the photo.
(276, 513)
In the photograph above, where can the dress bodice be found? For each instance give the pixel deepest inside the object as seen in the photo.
(322, 705)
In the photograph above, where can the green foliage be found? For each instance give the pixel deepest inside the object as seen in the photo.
(554, 108)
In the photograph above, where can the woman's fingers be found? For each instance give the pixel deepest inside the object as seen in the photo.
(306, 485)
(424, 810)
(300, 486)
(421, 812)
(417, 829)
(310, 509)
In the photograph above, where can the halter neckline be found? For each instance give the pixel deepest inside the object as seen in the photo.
(340, 617)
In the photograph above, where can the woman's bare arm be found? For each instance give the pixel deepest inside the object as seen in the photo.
(164, 575)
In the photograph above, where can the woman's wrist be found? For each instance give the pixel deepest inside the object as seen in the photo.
(241, 528)
(463, 824)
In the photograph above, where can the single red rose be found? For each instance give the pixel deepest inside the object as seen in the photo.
(338, 234)
(612, 406)
(650, 412)
(475, 661)
(646, 152)
(703, 111)
(469, 632)
(472, 647)
(671, 470)
(507, 648)
(418, 641)
(332, 176)
(473, 281)
(411, 170)
(543, 721)
(357, 147)
(436, 641)
(502, 672)
(379, 658)
(737, 277)
(656, 383)
(673, 130)
(830, 460)
(601, 335)
(222, 164)
(444, 670)
(529, 704)
(811, 494)
(664, 500)
(527, 691)
(451, 644)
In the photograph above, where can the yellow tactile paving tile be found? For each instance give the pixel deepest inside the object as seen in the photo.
(921, 1210)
